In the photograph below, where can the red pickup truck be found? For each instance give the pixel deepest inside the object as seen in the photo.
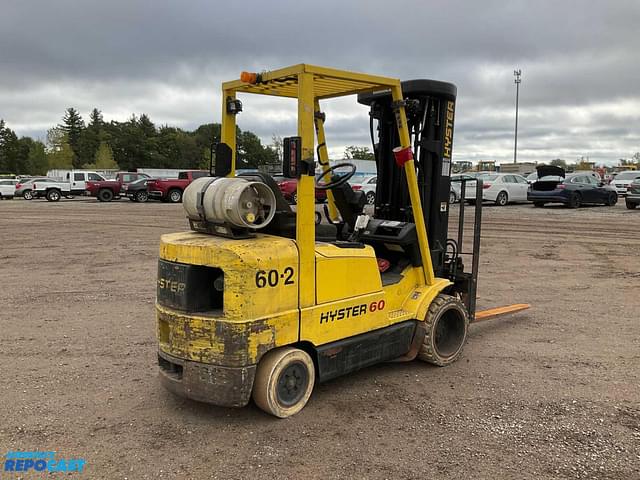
(107, 190)
(171, 189)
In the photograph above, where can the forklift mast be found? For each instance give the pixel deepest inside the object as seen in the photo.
(430, 110)
(430, 107)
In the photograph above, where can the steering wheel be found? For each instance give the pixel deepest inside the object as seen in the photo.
(336, 183)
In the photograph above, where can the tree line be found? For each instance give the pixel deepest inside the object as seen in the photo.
(134, 143)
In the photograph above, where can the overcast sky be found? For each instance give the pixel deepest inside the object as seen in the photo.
(580, 91)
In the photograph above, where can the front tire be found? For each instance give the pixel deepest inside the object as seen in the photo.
(284, 381)
(502, 199)
(630, 205)
(175, 195)
(446, 324)
(538, 204)
(294, 198)
(53, 195)
(27, 195)
(612, 199)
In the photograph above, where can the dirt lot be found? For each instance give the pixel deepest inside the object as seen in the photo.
(550, 393)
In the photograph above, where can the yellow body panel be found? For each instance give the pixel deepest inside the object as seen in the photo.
(342, 273)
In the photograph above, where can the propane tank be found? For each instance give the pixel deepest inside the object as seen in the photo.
(234, 201)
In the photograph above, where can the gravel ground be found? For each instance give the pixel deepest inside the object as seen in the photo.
(553, 392)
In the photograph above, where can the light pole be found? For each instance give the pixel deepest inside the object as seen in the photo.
(517, 81)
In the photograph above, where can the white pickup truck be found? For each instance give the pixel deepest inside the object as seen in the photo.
(73, 184)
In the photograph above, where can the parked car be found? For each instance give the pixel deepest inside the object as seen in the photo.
(633, 195)
(107, 190)
(137, 191)
(7, 189)
(573, 189)
(623, 179)
(455, 192)
(500, 188)
(289, 187)
(171, 189)
(366, 185)
(24, 188)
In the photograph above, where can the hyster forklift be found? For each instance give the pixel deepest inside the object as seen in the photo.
(257, 301)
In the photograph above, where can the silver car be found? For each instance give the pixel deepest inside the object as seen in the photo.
(25, 187)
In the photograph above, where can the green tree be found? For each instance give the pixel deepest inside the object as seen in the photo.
(73, 125)
(59, 152)
(103, 159)
(91, 136)
(558, 162)
(358, 153)
(9, 150)
(37, 159)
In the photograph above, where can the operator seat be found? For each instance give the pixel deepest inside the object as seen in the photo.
(284, 220)
(350, 203)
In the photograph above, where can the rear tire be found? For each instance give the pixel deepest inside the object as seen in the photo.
(502, 199)
(538, 204)
(141, 196)
(630, 205)
(175, 195)
(575, 200)
(452, 197)
(446, 323)
(294, 198)
(105, 195)
(284, 381)
(27, 195)
(53, 195)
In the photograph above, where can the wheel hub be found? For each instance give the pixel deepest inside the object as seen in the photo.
(292, 384)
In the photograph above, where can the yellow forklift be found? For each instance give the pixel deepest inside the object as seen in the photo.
(257, 301)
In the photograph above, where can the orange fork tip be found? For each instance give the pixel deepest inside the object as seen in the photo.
(499, 311)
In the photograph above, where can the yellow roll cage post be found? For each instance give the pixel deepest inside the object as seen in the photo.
(310, 84)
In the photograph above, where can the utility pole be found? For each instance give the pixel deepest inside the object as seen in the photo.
(517, 81)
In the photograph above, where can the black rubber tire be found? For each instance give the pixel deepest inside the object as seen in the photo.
(27, 195)
(282, 372)
(471, 202)
(502, 199)
(294, 198)
(141, 196)
(575, 200)
(538, 204)
(53, 195)
(371, 198)
(452, 197)
(105, 195)
(174, 195)
(318, 218)
(446, 324)
(630, 205)
(612, 199)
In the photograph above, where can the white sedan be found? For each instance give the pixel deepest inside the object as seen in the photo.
(623, 179)
(368, 187)
(500, 188)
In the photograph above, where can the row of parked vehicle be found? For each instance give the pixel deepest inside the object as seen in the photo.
(549, 184)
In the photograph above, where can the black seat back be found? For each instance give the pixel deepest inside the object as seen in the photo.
(349, 203)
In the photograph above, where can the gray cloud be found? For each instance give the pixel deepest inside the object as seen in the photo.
(578, 96)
